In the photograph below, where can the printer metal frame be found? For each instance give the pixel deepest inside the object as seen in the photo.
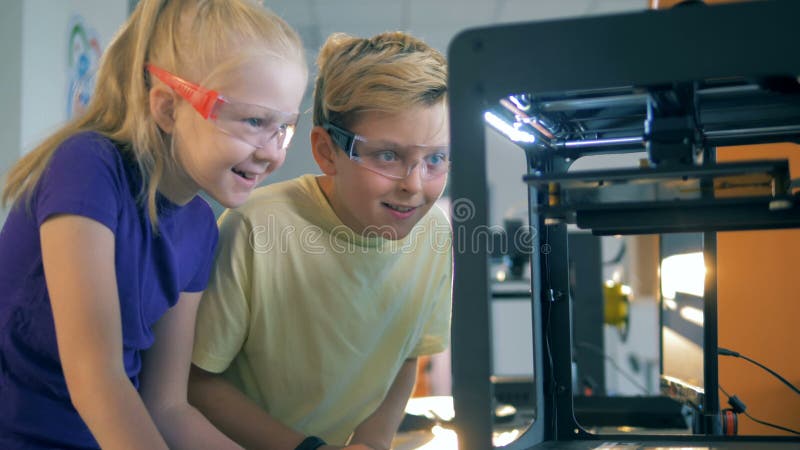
(676, 84)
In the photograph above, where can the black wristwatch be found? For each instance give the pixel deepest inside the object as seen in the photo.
(310, 443)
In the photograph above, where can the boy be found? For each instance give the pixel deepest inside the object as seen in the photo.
(327, 288)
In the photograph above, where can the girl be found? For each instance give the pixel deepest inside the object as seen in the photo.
(108, 247)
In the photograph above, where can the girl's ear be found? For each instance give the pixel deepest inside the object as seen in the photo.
(162, 107)
(323, 150)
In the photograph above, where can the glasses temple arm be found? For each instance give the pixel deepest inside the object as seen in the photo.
(343, 138)
(203, 100)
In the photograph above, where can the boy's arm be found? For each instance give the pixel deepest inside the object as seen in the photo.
(164, 381)
(222, 329)
(378, 430)
(238, 416)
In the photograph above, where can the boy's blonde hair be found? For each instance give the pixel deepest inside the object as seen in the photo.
(199, 40)
(390, 73)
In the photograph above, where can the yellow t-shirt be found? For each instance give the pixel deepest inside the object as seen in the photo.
(312, 321)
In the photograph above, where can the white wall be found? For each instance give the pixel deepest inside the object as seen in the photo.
(35, 36)
(45, 33)
(10, 77)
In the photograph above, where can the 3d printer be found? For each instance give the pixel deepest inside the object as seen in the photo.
(675, 84)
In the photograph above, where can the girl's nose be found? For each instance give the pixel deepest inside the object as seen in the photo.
(271, 151)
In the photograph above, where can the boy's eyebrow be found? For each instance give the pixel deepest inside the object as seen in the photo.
(386, 143)
(394, 144)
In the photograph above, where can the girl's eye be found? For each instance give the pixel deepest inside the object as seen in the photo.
(254, 122)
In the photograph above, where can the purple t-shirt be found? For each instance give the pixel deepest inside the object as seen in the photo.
(88, 176)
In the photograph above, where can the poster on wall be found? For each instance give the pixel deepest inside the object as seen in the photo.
(83, 58)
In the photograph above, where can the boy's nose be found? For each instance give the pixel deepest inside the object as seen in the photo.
(413, 182)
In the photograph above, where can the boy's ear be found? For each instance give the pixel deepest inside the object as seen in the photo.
(162, 107)
(323, 150)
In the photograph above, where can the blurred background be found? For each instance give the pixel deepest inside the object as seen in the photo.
(49, 45)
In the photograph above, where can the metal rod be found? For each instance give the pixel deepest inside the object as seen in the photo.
(601, 142)
(717, 134)
(752, 132)
(592, 103)
(729, 89)
(633, 99)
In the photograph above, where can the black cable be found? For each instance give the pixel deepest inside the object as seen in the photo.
(726, 352)
(553, 382)
(616, 366)
(550, 301)
(618, 257)
(738, 406)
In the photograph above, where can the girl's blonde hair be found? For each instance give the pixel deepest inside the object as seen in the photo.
(390, 73)
(199, 40)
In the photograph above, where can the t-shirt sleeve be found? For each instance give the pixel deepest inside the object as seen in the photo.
(209, 237)
(435, 337)
(223, 314)
(83, 178)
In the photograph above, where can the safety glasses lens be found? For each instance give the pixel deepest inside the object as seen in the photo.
(398, 163)
(255, 124)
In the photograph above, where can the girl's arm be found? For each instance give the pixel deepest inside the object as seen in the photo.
(164, 381)
(78, 258)
(378, 430)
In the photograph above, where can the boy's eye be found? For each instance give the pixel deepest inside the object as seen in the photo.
(385, 156)
(437, 158)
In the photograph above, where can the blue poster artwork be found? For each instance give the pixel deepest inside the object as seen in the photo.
(83, 56)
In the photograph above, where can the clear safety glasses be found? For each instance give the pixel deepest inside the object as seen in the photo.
(391, 161)
(254, 124)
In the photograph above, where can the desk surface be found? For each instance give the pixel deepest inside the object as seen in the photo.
(666, 445)
(445, 438)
